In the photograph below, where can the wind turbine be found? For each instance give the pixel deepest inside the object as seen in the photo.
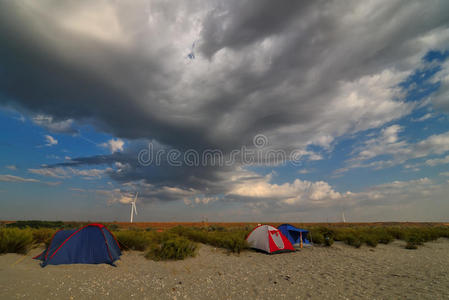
(133, 207)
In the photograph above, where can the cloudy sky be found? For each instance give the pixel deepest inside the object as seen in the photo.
(354, 95)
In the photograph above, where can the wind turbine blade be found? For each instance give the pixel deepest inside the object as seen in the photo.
(134, 207)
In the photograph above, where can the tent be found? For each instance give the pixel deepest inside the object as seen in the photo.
(91, 244)
(268, 239)
(294, 234)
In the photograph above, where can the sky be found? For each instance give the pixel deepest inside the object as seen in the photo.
(256, 111)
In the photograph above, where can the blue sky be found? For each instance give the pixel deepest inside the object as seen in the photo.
(364, 103)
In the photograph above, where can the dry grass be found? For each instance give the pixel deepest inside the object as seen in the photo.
(161, 239)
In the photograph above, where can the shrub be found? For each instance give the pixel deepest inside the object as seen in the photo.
(315, 237)
(233, 241)
(411, 246)
(356, 235)
(216, 228)
(43, 235)
(328, 241)
(14, 240)
(74, 225)
(414, 240)
(394, 232)
(353, 240)
(36, 224)
(113, 227)
(172, 248)
(132, 239)
(371, 240)
(385, 238)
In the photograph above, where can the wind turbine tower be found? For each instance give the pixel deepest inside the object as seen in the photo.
(343, 219)
(133, 207)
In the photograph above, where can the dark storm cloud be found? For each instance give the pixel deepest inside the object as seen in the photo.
(125, 90)
(66, 75)
(124, 167)
(300, 72)
(236, 24)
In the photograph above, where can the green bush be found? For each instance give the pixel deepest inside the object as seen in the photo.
(133, 239)
(36, 224)
(411, 246)
(328, 241)
(172, 248)
(315, 237)
(15, 240)
(353, 240)
(74, 225)
(321, 236)
(113, 227)
(43, 235)
(385, 238)
(371, 240)
(216, 228)
(234, 241)
(356, 235)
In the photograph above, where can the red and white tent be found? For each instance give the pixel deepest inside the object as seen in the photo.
(269, 239)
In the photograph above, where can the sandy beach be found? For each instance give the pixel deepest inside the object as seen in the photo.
(342, 272)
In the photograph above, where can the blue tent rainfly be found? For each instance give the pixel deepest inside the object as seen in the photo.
(294, 234)
(91, 244)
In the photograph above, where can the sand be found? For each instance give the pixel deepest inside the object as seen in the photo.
(339, 272)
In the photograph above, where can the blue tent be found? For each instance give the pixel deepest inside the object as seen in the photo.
(91, 244)
(293, 234)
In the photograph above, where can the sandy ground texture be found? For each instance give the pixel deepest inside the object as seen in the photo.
(339, 272)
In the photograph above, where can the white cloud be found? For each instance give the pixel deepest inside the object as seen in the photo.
(12, 178)
(77, 190)
(88, 173)
(60, 172)
(389, 143)
(50, 141)
(51, 172)
(11, 167)
(304, 171)
(434, 144)
(441, 98)
(65, 126)
(386, 143)
(437, 161)
(424, 117)
(296, 193)
(114, 145)
(205, 200)
(444, 173)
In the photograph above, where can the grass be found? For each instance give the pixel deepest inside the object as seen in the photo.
(43, 235)
(36, 224)
(133, 239)
(321, 236)
(15, 240)
(357, 236)
(171, 247)
(234, 240)
(157, 245)
(181, 241)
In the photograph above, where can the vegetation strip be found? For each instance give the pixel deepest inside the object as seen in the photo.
(181, 241)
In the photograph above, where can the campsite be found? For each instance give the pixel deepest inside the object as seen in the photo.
(219, 268)
(224, 149)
